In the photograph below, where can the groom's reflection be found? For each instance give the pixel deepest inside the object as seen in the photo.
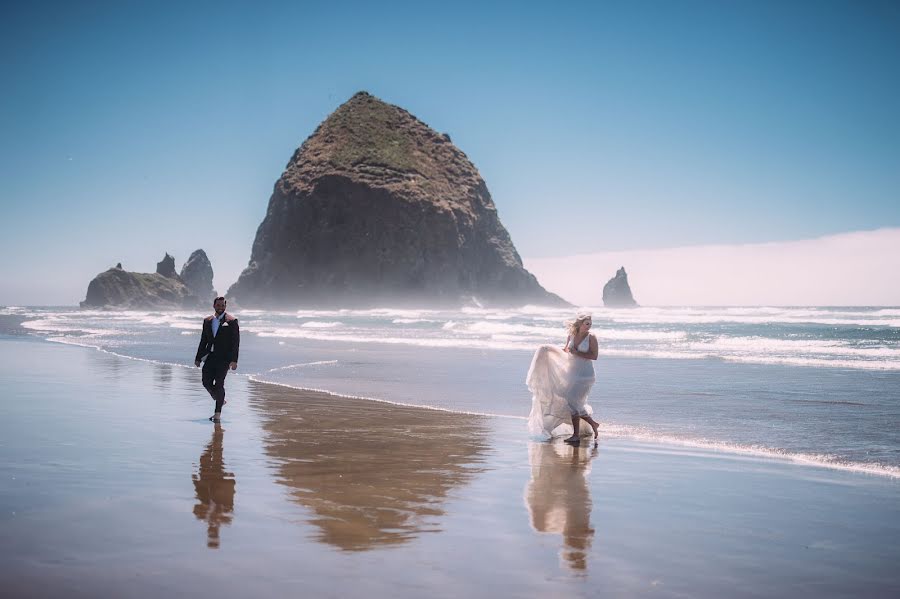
(559, 499)
(214, 488)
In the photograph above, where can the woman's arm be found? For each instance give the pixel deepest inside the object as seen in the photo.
(593, 349)
(591, 353)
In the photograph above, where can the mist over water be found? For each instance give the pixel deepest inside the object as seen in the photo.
(812, 384)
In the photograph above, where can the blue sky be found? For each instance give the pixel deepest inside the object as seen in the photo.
(134, 128)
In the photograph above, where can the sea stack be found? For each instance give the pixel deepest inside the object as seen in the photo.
(197, 274)
(376, 208)
(166, 267)
(617, 293)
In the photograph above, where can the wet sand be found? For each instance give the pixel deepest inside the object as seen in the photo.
(115, 484)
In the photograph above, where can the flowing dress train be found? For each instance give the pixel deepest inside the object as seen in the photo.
(559, 383)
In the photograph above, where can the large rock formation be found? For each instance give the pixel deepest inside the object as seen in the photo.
(197, 274)
(617, 293)
(375, 208)
(118, 288)
(166, 267)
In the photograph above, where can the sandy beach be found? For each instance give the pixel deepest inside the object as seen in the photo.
(115, 484)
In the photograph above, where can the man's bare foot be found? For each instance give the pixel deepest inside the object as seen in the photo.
(573, 440)
(596, 428)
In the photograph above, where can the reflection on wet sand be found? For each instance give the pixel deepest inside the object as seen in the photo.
(372, 474)
(558, 497)
(214, 488)
(106, 365)
(163, 376)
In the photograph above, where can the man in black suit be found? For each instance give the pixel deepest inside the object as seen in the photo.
(218, 350)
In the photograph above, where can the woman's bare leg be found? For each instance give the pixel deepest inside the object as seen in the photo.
(594, 425)
(575, 438)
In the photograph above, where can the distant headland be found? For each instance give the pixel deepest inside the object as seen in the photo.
(163, 289)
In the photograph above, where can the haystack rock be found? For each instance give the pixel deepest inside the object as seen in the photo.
(376, 208)
(197, 274)
(161, 290)
(617, 293)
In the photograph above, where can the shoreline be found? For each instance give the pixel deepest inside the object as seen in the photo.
(636, 433)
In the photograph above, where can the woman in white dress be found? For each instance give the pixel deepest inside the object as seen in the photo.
(560, 381)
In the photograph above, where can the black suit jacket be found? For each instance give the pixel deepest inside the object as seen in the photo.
(225, 344)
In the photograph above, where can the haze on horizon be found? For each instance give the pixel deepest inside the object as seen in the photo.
(638, 133)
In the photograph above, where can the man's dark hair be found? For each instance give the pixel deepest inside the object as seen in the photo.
(220, 298)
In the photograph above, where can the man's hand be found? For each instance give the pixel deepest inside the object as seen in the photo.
(233, 365)
(197, 363)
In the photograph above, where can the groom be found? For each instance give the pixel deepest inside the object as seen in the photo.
(220, 340)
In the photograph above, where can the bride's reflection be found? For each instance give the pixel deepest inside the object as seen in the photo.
(370, 474)
(214, 488)
(558, 497)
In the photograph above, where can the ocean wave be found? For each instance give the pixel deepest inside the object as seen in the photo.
(761, 320)
(526, 328)
(367, 337)
(413, 320)
(302, 365)
(821, 460)
(768, 345)
(55, 326)
(482, 327)
(816, 362)
(762, 315)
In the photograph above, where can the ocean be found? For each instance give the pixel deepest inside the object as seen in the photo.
(814, 385)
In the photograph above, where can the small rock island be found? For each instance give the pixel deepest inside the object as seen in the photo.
(164, 289)
(617, 292)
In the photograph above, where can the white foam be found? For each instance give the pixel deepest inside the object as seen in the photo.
(764, 315)
(637, 335)
(302, 365)
(412, 320)
(490, 328)
(418, 341)
(806, 459)
(655, 333)
(56, 325)
(69, 341)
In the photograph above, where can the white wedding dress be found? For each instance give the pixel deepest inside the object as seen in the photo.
(560, 383)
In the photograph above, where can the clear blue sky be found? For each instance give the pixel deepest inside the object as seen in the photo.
(132, 128)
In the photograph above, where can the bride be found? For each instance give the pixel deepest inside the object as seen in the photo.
(560, 380)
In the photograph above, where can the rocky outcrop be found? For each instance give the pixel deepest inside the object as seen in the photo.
(162, 290)
(617, 293)
(166, 267)
(197, 274)
(375, 208)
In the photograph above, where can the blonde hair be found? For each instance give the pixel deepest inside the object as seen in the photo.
(572, 326)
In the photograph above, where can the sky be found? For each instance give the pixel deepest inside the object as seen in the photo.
(131, 129)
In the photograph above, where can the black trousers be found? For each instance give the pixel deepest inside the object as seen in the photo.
(214, 380)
